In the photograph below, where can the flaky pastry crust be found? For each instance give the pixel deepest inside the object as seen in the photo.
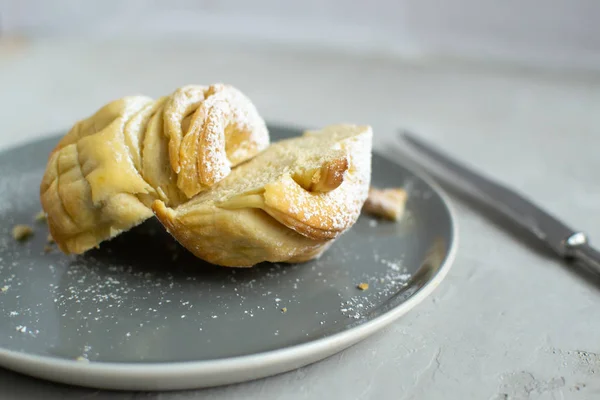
(104, 175)
(287, 204)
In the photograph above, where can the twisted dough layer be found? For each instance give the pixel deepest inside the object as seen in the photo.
(288, 204)
(104, 175)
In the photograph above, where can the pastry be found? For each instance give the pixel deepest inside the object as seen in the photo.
(386, 203)
(288, 204)
(22, 232)
(104, 175)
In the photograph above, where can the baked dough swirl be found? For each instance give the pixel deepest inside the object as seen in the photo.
(287, 204)
(104, 175)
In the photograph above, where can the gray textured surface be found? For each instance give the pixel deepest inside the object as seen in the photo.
(560, 33)
(508, 322)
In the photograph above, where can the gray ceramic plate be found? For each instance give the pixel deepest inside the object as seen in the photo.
(141, 313)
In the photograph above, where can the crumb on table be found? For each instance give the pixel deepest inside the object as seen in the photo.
(363, 286)
(284, 310)
(49, 239)
(22, 232)
(82, 359)
(47, 249)
(40, 217)
(386, 203)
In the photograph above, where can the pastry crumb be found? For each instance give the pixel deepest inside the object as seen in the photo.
(49, 239)
(284, 310)
(363, 286)
(82, 359)
(386, 203)
(22, 232)
(4, 288)
(40, 217)
(47, 249)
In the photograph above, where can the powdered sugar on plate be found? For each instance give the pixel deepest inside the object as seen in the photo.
(132, 301)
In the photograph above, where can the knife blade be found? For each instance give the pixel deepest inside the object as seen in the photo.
(566, 242)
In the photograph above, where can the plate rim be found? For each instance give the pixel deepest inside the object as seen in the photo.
(177, 375)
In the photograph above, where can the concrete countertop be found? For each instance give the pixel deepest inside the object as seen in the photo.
(509, 322)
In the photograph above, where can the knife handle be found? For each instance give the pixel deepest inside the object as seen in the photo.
(577, 247)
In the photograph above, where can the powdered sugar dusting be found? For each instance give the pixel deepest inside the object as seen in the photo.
(222, 120)
(382, 285)
(338, 209)
(179, 105)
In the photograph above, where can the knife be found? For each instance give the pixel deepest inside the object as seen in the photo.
(566, 242)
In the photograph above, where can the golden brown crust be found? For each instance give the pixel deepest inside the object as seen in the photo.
(325, 178)
(103, 176)
(237, 238)
(22, 232)
(386, 203)
(300, 227)
(311, 253)
(223, 129)
(269, 209)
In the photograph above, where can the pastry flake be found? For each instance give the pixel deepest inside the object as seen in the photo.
(386, 203)
(40, 217)
(22, 232)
